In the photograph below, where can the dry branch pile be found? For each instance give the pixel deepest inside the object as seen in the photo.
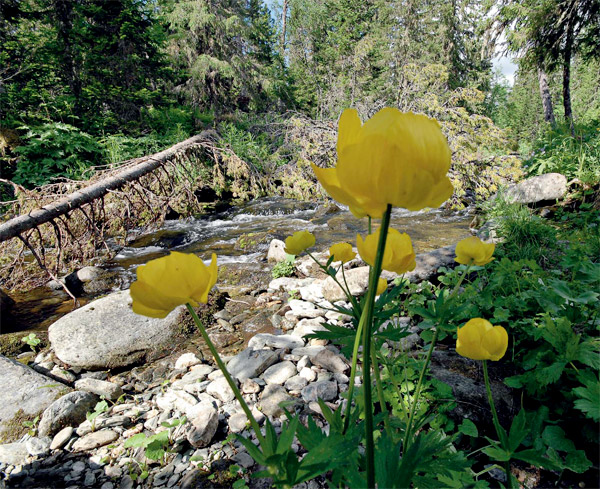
(63, 226)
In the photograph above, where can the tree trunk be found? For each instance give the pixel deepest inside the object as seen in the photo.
(567, 77)
(63, 10)
(283, 26)
(546, 97)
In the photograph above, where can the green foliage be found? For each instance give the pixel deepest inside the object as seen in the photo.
(32, 340)
(575, 157)
(101, 407)
(55, 150)
(156, 445)
(284, 268)
(32, 426)
(251, 149)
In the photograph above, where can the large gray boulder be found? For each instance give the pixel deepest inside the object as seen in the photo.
(106, 333)
(550, 186)
(25, 394)
(427, 264)
(250, 363)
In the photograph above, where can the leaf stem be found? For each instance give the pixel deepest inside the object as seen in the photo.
(227, 375)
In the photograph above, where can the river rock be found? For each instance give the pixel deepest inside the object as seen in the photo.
(276, 251)
(186, 360)
(271, 397)
(38, 447)
(220, 389)
(250, 363)
(322, 389)
(357, 279)
(61, 438)
(69, 410)
(13, 454)
(25, 394)
(286, 342)
(99, 387)
(95, 440)
(307, 326)
(550, 186)
(106, 333)
(279, 373)
(303, 309)
(288, 283)
(203, 426)
(330, 361)
(427, 264)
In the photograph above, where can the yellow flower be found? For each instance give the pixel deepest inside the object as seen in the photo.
(298, 242)
(398, 256)
(394, 158)
(479, 340)
(170, 281)
(381, 286)
(342, 252)
(473, 251)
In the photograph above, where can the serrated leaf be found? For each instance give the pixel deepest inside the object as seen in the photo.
(588, 396)
(497, 454)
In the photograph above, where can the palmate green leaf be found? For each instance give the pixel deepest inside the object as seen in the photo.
(588, 395)
(588, 353)
(550, 374)
(497, 454)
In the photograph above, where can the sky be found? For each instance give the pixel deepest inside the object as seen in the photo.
(507, 68)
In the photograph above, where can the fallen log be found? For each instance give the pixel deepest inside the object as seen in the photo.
(17, 225)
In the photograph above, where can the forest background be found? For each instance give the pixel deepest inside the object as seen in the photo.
(85, 83)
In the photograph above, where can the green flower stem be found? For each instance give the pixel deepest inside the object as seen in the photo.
(230, 381)
(499, 430)
(415, 402)
(379, 386)
(367, 313)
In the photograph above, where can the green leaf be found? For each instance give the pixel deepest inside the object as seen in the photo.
(588, 395)
(497, 454)
(518, 430)
(468, 428)
(534, 457)
(577, 462)
(139, 440)
(554, 437)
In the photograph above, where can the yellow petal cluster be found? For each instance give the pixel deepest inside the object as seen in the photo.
(473, 251)
(170, 281)
(298, 242)
(394, 158)
(479, 340)
(381, 286)
(398, 256)
(342, 252)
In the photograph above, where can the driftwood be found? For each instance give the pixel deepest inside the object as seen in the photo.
(17, 225)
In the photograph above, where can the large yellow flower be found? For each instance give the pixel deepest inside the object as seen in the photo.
(342, 252)
(298, 242)
(479, 340)
(398, 256)
(170, 281)
(394, 158)
(473, 251)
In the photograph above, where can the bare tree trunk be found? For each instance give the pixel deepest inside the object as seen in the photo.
(283, 26)
(546, 97)
(567, 77)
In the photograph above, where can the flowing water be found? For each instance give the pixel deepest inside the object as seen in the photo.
(220, 233)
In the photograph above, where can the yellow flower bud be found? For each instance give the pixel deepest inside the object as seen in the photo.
(473, 251)
(398, 256)
(171, 281)
(479, 340)
(381, 286)
(394, 158)
(342, 252)
(298, 242)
